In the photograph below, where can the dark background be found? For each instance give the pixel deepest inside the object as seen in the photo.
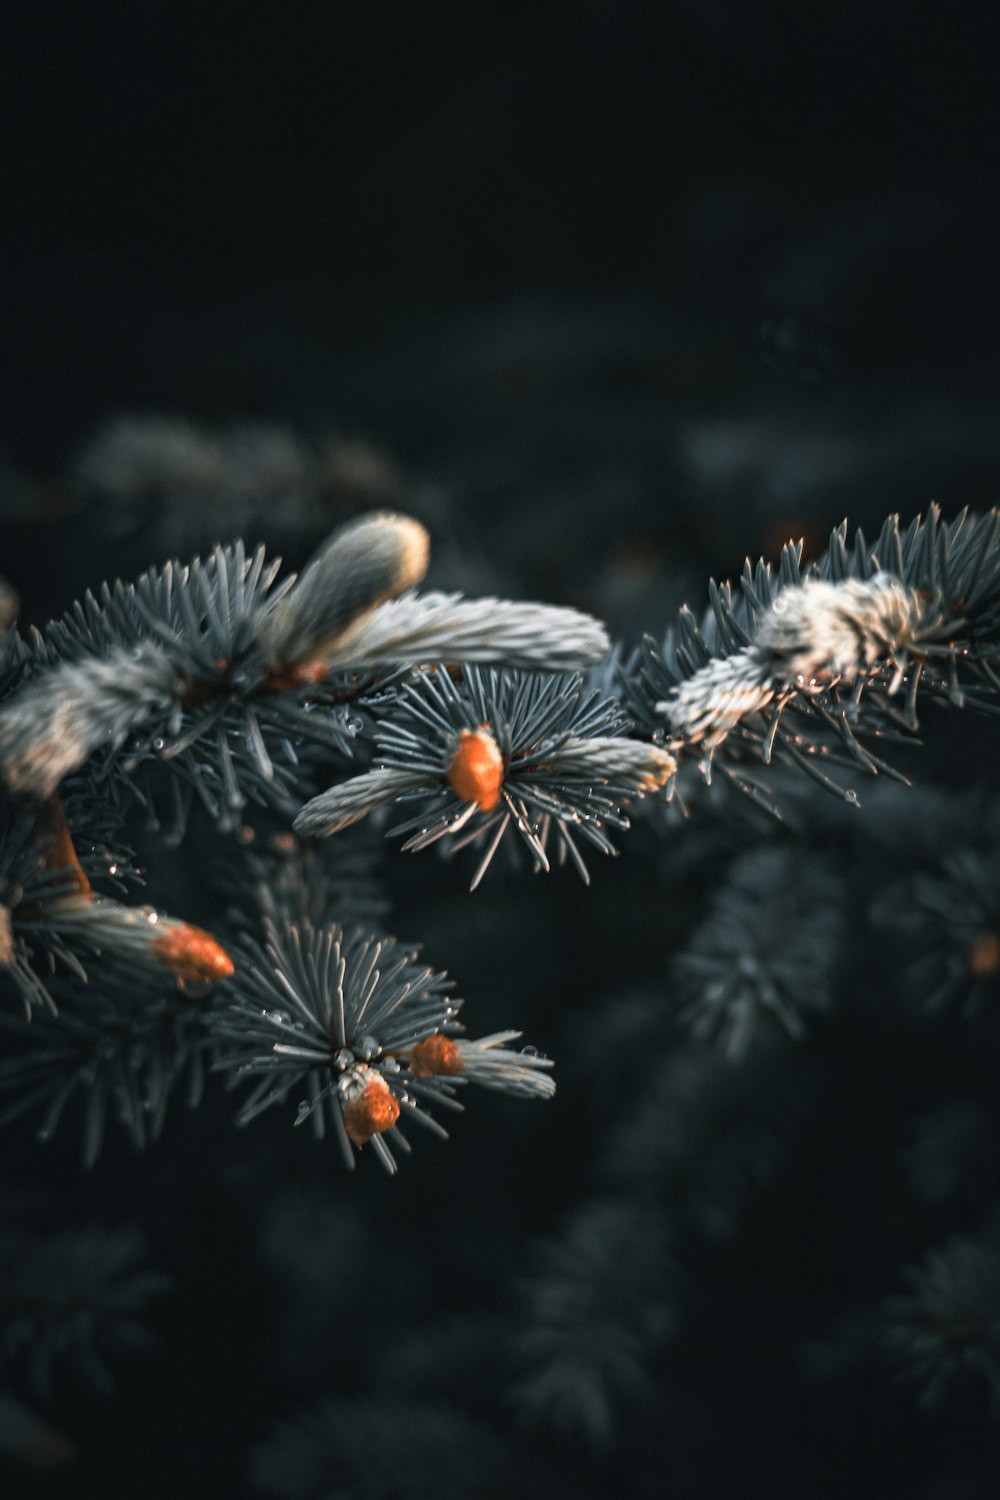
(626, 291)
(730, 261)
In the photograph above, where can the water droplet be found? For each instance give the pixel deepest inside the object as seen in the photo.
(344, 1059)
(159, 743)
(367, 1048)
(530, 1052)
(354, 725)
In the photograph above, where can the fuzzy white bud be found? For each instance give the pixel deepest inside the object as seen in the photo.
(51, 726)
(824, 630)
(816, 633)
(362, 565)
(446, 627)
(353, 800)
(613, 758)
(489, 1063)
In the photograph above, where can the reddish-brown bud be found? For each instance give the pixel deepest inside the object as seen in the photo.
(476, 770)
(196, 691)
(6, 938)
(984, 955)
(296, 675)
(371, 1112)
(192, 954)
(435, 1054)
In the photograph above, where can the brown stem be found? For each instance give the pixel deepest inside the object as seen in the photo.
(60, 854)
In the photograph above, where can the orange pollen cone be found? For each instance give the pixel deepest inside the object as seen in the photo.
(476, 770)
(435, 1054)
(191, 953)
(371, 1112)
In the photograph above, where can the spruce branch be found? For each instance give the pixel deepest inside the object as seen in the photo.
(114, 1047)
(600, 1304)
(765, 954)
(137, 934)
(50, 901)
(32, 1442)
(949, 920)
(72, 1301)
(55, 723)
(495, 750)
(215, 673)
(220, 725)
(708, 1136)
(946, 1327)
(411, 1450)
(282, 878)
(360, 567)
(809, 663)
(40, 868)
(364, 1028)
(189, 484)
(485, 1061)
(420, 628)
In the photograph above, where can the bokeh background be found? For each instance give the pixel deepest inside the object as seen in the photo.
(611, 295)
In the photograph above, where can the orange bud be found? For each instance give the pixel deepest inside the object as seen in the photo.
(476, 770)
(371, 1112)
(435, 1054)
(984, 955)
(191, 953)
